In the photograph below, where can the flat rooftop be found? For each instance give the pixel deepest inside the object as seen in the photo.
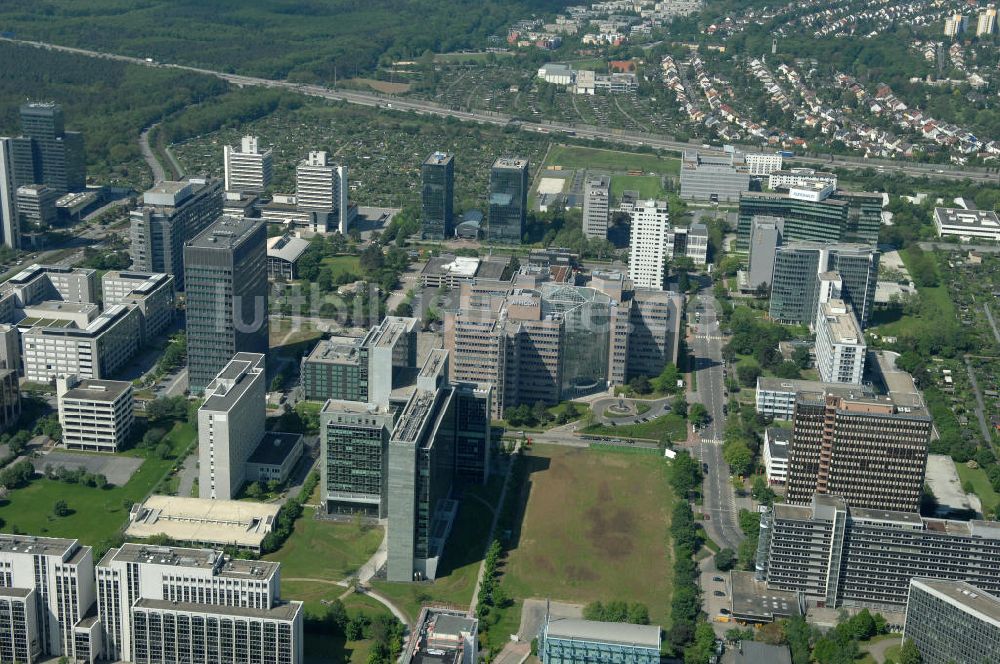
(58, 306)
(843, 324)
(769, 384)
(510, 162)
(224, 233)
(233, 381)
(98, 390)
(46, 546)
(177, 556)
(753, 601)
(969, 597)
(454, 266)
(218, 522)
(606, 632)
(973, 220)
(337, 350)
(943, 479)
(285, 611)
(439, 159)
(274, 448)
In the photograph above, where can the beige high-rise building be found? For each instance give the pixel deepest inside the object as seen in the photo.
(870, 450)
(987, 23)
(248, 168)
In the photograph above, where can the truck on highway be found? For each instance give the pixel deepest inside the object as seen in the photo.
(786, 153)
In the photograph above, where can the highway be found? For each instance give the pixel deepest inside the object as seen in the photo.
(491, 117)
(719, 497)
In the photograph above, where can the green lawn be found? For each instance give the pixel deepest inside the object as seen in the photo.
(648, 186)
(936, 305)
(572, 156)
(97, 514)
(981, 483)
(591, 521)
(322, 648)
(675, 425)
(320, 549)
(343, 264)
(463, 554)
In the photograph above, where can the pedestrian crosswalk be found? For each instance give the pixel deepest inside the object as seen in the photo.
(713, 441)
(710, 337)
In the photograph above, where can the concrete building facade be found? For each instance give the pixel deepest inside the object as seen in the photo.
(719, 179)
(171, 214)
(151, 294)
(648, 244)
(321, 186)
(840, 344)
(9, 226)
(596, 207)
(952, 621)
(226, 271)
(95, 415)
(247, 168)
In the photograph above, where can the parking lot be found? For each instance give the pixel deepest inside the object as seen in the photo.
(117, 469)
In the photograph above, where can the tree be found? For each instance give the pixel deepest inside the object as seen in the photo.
(666, 382)
(761, 491)
(684, 474)
(679, 405)
(801, 357)
(638, 614)
(725, 559)
(909, 654)
(747, 373)
(162, 451)
(739, 457)
(277, 382)
(787, 369)
(60, 508)
(640, 385)
(254, 490)
(698, 414)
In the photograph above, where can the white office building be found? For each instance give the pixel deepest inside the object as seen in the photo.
(648, 244)
(762, 164)
(248, 168)
(840, 344)
(967, 224)
(95, 415)
(46, 591)
(690, 242)
(321, 186)
(230, 425)
(151, 293)
(596, 201)
(9, 226)
(776, 442)
(797, 178)
(172, 604)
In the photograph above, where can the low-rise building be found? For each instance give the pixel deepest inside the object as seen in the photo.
(719, 179)
(450, 638)
(952, 621)
(449, 271)
(967, 224)
(95, 415)
(203, 522)
(275, 457)
(283, 254)
(571, 641)
(688, 241)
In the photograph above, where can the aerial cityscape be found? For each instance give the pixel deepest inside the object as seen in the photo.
(527, 332)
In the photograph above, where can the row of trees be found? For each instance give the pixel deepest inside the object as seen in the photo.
(288, 515)
(635, 613)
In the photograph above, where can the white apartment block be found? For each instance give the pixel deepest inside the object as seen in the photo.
(986, 25)
(596, 200)
(152, 293)
(172, 604)
(95, 415)
(46, 591)
(248, 168)
(840, 344)
(955, 25)
(97, 351)
(322, 186)
(776, 442)
(230, 425)
(648, 244)
(762, 164)
(796, 178)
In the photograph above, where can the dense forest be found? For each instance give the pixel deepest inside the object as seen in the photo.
(306, 40)
(111, 102)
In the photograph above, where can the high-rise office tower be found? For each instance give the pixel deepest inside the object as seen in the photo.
(36, 206)
(230, 425)
(46, 591)
(437, 196)
(321, 186)
(840, 344)
(795, 279)
(46, 153)
(248, 168)
(648, 244)
(508, 200)
(11, 235)
(872, 451)
(596, 201)
(354, 456)
(226, 272)
(171, 214)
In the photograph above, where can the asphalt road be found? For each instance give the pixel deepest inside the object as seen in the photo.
(159, 175)
(720, 500)
(489, 117)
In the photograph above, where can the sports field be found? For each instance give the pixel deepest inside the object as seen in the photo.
(595, 528)
(573, 156)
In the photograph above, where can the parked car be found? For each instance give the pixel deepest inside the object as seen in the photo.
(719, 579)
(718, 593)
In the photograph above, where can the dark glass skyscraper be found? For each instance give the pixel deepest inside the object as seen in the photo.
(46, 153)
(508, 200)
(225, 270)
(437, 196)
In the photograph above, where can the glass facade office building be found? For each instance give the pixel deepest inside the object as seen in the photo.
(437, 196)
(586, 316)
(508, 200)
(840, 217)
(570, 641)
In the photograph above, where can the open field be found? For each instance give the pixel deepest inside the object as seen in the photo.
(648, 186)
(591, 522)
(387, 87)
(320, 549)
(463, 554)
(981, 483)
(96, 514)
(570, 156)
(674, 425)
